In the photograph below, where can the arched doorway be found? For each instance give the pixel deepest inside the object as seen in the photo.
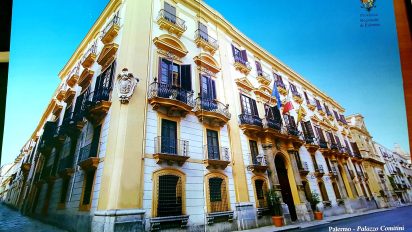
(306, 187)
(287, 197)
(341, 174)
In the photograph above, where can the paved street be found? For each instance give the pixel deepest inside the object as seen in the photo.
(400, 217)
(11, 220)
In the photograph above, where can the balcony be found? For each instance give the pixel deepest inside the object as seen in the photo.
(46, 173)
(60, 135)
(60, 94)
(259, 164)
(263, 78)
(96, 105)
(57, 110)
(323, 144)
(111, 30)
(171, 23)
(69, 96)
(74, 123)
(334, 146)
(293, 131)
(320, 109)
(297, 97)
(242, 65)
(319, 171)
(170, 100)
(211, 111)
(311, 105)
(85, 78)
(205, 41)
(274, 128)
(46, 143)
(281, 88)
(250, 124)
(66, 166)
(216, 157)
(107, 55)
(171, 150)
(88, 159)
(73, 76)
(89, 57)
(303, 168)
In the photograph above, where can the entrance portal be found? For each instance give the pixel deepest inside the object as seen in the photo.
(285, 186)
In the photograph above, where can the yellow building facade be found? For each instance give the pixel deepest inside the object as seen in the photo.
(165, 118)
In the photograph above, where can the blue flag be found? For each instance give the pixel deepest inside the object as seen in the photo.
(275, 93)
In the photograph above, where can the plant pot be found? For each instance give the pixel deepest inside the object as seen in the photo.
(277, 221)
(318, 215)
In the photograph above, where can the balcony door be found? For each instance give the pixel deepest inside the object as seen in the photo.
(104, 84)
(175, 80)
(169, 137)
(254, 151)
(203, 31)
(208, 93)
(212, 145)
(170, 13)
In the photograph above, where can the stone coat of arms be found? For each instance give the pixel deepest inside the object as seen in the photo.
(126, 83)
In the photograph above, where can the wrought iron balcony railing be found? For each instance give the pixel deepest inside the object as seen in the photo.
(272, 124)
(167, 91)
(171, 146)
(216, 153)
(293, 130)
(239, 59)
(280, 84)
(296, 94)
(258, 159)
(334, 146)
(199, 34)
(212, 105)
(87, 152)
(323, 143)
(172, 19)
(247, 119)
(114, 21)
(46, 172)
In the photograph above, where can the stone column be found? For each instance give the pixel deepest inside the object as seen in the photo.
(302, 210)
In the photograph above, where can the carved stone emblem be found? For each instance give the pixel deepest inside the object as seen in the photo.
(126, 84)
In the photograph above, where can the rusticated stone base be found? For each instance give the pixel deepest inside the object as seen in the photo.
(118, 220)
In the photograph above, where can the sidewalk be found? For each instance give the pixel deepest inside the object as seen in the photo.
(326, 220)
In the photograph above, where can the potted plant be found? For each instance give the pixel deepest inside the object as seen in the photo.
(275, 207)
(314, 200)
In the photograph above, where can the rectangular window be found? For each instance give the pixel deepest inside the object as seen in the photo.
(215, 186)
(170, 196)
(289, 121)
(259, 68)
(104, 84)
(239, 55)
(174, 75)
(326, 109)
(318, 105)
(308, 131)
(203, 31)
(306, 97)
(170, 13)
(320, 134)
(207, 87)
(249, 106)
(213, 145)
(254, 151)
(87, 190)
(169, 137)
(336, 115)
(95, 141)
(65, 187)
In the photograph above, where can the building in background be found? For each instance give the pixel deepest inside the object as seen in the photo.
(168, 117)
(398, 172)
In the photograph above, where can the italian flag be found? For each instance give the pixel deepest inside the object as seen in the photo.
(288, 106)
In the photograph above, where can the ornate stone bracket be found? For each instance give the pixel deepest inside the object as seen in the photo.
(126, 83)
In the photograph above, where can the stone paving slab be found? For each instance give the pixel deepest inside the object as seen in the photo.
(317, 223)
(13, 221)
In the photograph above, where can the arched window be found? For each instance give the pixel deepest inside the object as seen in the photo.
(217, 193)
(169, 193)
(323, 191)
(261, 188)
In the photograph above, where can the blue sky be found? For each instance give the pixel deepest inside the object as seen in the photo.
(322, 41)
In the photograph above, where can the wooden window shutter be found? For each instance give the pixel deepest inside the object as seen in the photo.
(186, 77)
(244, 55)
(258, 67)
(213, 88)
(254, 107)
(309, 129)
